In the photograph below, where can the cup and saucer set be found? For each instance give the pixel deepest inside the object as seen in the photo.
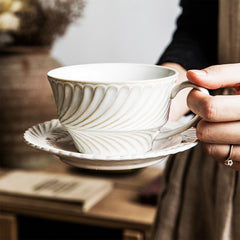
(114, 116)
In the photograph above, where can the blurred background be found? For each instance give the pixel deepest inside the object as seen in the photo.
(37, 36)
(118, 31)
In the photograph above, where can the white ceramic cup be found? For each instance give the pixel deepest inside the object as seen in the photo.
(116, 108)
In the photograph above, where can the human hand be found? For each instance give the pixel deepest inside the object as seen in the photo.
(220, 124)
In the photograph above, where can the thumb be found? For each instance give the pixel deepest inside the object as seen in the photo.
(218, 76)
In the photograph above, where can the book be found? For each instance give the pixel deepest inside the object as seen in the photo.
(53, 188)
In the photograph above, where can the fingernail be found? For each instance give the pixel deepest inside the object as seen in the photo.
(198, 72)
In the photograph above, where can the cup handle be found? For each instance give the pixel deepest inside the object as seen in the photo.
(177, 88)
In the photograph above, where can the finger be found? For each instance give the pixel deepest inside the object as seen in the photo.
(214, 108)
(218, 76)
(218, 133)
(221, 152)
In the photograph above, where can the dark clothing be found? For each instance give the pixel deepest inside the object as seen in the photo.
(194, 44)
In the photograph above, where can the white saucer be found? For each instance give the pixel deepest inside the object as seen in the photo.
(53, 138)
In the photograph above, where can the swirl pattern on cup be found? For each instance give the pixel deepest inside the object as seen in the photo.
(111, 118)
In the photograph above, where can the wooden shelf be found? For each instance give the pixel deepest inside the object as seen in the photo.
(119, 209)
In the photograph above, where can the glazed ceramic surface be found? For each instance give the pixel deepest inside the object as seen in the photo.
(53, 138)
(113, 109)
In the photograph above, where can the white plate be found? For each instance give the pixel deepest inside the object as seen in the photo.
(53, 138)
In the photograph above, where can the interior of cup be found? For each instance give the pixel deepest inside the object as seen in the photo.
(111, 72)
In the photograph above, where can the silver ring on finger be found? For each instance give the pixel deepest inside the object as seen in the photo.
(229, 162)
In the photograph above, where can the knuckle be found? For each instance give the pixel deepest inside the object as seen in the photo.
(202, 131)
(213, 69)
(209, 149)
(199, 132)
(209, 109)
(212, 150)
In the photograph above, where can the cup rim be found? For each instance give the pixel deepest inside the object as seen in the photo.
(50, 74)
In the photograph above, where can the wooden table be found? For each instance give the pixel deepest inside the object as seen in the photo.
(120, 209)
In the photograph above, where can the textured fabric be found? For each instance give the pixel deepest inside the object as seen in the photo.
(194, 43)
(200, 200)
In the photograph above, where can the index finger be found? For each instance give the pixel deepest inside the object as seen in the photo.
(218, 76)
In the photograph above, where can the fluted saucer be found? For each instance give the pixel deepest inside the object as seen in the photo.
(52, 137)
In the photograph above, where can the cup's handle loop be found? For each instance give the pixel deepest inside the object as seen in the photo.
(177, 88)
